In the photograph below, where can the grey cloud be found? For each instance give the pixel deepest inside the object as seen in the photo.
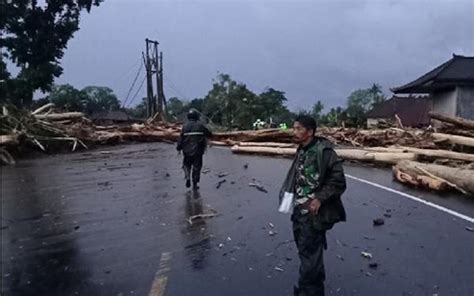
(311, 50)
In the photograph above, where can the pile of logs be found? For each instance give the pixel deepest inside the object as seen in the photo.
(424, 158)
(439, 159)
(50, 131)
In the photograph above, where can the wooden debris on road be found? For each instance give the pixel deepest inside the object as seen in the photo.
(436, 177)
(200, 216)
(456, 121)
(443, 157)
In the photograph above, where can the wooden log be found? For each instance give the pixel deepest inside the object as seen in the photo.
(138, 136)
(287, 152)
(165, 135)
(71, 139)
(453, 139)
(399, 121)
(9, 140)
(392, 158)
(433, 153)
(267, 144)
(455, 178)
(5, 157)
(457, 121)
(267, 135)
(419, 180)
(222, 143)
(354, 154)
(375, 157)
(42, 108)
(441, 154)
(108, 127)
(392, 149)
(458, 132)
(348, 154)
(60, 116)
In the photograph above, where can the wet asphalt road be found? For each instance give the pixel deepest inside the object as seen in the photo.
(115, 223)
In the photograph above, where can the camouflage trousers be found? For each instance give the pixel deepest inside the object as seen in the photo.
(310, 244)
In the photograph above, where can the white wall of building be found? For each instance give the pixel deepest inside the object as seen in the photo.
(465, 102)
(445, 102)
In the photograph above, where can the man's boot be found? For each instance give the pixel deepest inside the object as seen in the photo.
(187, 176)
(196, 176)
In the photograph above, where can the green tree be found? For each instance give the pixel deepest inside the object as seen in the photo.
(246, 111)
(175, 107)
(139, 111)
(271, 104)
(317, 111)
(377, 94)
(197, 103)
(68, 98)
(40, 102)
(229, 103)
(285, 116)
(34, 37)
(99, 98)
(361, 101)
(334, 117)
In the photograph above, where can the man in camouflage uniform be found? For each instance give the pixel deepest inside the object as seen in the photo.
(318, 181)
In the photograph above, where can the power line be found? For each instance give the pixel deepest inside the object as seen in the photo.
(133, 85)
(125, 73)
(138, 90)
(174, 88)
(169, 89)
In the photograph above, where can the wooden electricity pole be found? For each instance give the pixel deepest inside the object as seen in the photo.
(153, 60)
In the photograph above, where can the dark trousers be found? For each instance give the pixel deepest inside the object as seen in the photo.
(192, 164)
(310, 244)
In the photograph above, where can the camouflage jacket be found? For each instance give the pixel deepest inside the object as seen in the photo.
(317, 172)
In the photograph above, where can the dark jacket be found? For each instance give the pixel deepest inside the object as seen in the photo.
(193, 138)
(331, 181)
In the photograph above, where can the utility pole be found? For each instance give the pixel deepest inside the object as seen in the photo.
(158, 79)
(161, 98)
(153, 60)
(151, 107)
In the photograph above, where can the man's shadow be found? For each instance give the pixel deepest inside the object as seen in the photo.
(196, 235)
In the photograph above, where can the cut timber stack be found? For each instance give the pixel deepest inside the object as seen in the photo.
(347, 154)
(453, 139)
(436, 177)
(451, 145)
(456, 121)
(406, 170)
(266, 135)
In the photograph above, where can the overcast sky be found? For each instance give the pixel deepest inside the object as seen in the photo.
(309, 49)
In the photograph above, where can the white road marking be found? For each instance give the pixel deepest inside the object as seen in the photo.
(158, 287)
(430, 204)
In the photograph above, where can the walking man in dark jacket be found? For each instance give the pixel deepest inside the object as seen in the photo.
(317, 181)
(193, 142)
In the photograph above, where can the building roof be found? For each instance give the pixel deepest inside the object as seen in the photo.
(413, 111)
(459, 70)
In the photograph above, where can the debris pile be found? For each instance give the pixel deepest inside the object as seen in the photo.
(441, 159)
(425, 158)
(50, 131)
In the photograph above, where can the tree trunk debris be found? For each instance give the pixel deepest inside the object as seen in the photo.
(439, 159)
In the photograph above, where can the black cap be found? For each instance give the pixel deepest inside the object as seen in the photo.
(193, 114)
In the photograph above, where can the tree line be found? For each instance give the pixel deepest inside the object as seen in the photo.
(229, 104)
(35, 36)
(232, 105)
